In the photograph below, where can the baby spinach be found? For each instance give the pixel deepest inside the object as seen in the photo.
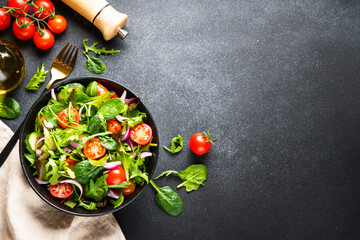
(111, 108)
(9, 108)
(95, 65)
(192, 177)
(108, 143)
(97, 124)
(176, 144)
(91, 89)
(84, 172)
(168, 200)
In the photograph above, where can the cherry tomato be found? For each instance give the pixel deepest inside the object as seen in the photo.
(43, 39)
(141, 133)
(47, 5)
(4, 19)
(115, 95)
(19, 4)
(199, 144)
(64, 117)
(101, 89)
(94, 150)
(71, 162)
(115, 176)
(57, 24)
(23, 33)
(113, 126)
(129, 189)
(61, 190)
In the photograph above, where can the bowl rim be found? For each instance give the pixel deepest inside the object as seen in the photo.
(24, 162)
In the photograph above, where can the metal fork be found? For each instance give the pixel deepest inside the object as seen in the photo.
(60, 69)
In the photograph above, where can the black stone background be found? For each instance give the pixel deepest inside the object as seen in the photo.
(276, 81)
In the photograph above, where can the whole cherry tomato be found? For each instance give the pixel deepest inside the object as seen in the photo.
(46, 5)
(4, 19)
(23, 28)
(57, 24)
(115, 176)
(129, 189)
(19, 4)
(200, 143)
(43, 39)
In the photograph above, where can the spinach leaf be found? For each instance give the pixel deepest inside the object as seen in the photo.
(176, 144)
(91, 89)
(97, 101)
(50, 112)
(9, 108)
(95, 65)
(135, 117)
(108, 143)
(97, 124)
(84, 171)
(97, 190)
(117, 202)
(82, 98)
(192, 177)
(38, 78)
(168, 200)
(111, 108)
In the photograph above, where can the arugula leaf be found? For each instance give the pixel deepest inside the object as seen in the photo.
(192, 177)
(97, 190)
(95, 65)
(9, 108)
(52, 174)
(111, 108)
(38, 78)
(84, 171)
(176, 144)
(66, 135)
(98, 51)
(90, 206)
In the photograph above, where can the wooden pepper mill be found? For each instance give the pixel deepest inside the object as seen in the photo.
(100, 13)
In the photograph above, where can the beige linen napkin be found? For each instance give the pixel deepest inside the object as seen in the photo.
(24, 215)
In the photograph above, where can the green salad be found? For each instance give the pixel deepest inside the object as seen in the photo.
(90, 147)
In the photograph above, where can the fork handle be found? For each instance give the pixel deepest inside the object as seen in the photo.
(99, 12)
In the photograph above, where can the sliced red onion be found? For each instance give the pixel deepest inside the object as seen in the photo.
(48, 125)
(39, 140)
(111, 165)
(67, 150)
(129, 142)
(80, 110)
(123, 95)
(121, 118)
(76, 145)
(72, 181)
(41, 181)
(129, 101)
(53, 95)
(113, 194)
(126, 135)
(145, 154)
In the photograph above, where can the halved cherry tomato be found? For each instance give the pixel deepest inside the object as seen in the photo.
(42, 118)
(19, 4)
(141, 133)
(4, 19)
(115, 95)
(43, 39)
(93, 149)
(48, 8)
(57, 24)
(113, 126)
(71, 162)
(61, 190)
(23, 33)
(115, 176)
(64, 117)
(101, 89)
(129, 189)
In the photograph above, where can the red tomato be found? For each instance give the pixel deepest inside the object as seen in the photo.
(43, 39)
(23, 33)
(71, 162)
(94, 150)
(129, 189)
(101, 89)
(141, 133)
(61, 190)
(48, 8)
(113, 126)
(115, 176)
(4, 19)
(19, 4)
(199, 144)
(64, 117)
(115, 95)
(57, 24)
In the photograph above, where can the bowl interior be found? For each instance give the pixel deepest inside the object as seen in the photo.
(41, 190)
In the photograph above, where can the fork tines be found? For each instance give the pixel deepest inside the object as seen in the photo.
(65, 59)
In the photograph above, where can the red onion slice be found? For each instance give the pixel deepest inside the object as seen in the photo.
(72, 181)
(41, 181)
(129, 142)
(76, 145)
(111, 165)
(129, 101)
(113, 194)
(145, 154)
(121, 118)
(53, 95)
(123, 95)
(80, 110)
(48, 125)
(126, 135)
(39, 140)
(67, 150)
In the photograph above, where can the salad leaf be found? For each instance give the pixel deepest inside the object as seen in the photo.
(9, 108)
(98, 51)
(135, 117)
(90, 206)
(97, 124)
(38, 78)
(95, 65)
(52, 172)
(168, 200)
(111, 108)
(91, 89)
(192, 177)
(50, 112)
(31, 158)
(66, 135)
(108, 143)
(117, 202)
(97, 190)
(176, 144)
(84, 172)
(100, 99)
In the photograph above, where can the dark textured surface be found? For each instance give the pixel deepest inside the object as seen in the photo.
(276, 81)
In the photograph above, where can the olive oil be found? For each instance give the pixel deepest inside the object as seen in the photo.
(12, 67)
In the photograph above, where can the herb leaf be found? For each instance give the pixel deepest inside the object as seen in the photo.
(38, 78)
(95, 65)
(98, 51)
(176, 144)
(168, 200)
(9, 108)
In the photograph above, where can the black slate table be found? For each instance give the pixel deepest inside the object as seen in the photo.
(276, 81)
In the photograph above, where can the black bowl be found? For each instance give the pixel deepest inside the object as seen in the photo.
(41, 190)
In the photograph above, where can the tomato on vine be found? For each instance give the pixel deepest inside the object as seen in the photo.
(57, 24)
(43, 8)
(43, 39)
(200, 143)
(4, 19)
(23, 28)
(18, 4)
